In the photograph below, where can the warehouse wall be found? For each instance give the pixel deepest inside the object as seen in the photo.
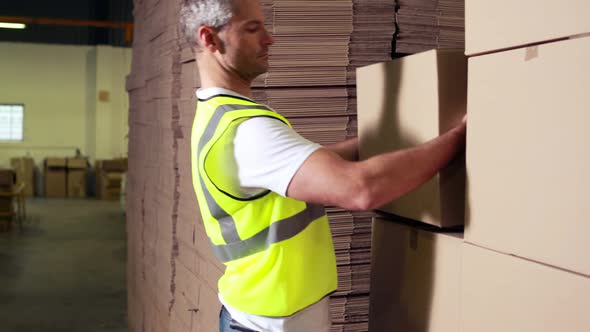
(59, 86)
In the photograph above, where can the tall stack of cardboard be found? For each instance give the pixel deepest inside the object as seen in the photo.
(109, 173)
(7, 181)
(318, 45)
(55, 178)
(25, 170)
(415, 265)
(430, 24)
(351, 232)
(371, 39)
(172, 270)
(527, 212)
(76, 177)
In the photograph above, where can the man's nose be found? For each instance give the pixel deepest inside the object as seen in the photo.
(269, 39)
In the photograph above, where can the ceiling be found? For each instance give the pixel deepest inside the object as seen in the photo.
(72, 11)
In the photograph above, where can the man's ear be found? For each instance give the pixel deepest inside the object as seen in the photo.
(209, 39)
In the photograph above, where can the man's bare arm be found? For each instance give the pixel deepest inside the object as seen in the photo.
(326, 178)
(347, 150)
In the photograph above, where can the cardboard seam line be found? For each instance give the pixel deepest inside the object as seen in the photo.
(143, 273)
(177, 134)
(581, 35)
(530, 260)
(512, 48)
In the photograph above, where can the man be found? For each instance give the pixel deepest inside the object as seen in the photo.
(261, 187)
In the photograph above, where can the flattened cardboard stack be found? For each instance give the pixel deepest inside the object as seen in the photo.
(428, 24)
(308, 67)
(352, 241)
(299, 27)
(351, 232)
(172, 269)
(371, 38)
(527, 208)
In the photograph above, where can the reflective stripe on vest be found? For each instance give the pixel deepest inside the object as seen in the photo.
(278, 231)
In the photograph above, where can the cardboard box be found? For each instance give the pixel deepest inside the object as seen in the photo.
(114, 165)
(55, 177)
(110, 185)
(496, 25)
(528, 170)
(415, 279)
(25, 170)
(76, 177)
(109, 170)
(509, 294)
(407, 102)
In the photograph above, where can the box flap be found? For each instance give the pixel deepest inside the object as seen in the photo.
(77, 163)
(55, 162)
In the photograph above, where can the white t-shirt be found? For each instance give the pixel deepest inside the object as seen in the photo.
(266, 155)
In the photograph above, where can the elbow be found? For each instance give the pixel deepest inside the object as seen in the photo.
(363, 196)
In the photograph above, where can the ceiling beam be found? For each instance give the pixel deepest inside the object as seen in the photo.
(56, 21)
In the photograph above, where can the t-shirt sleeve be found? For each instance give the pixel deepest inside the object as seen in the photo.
(268, 153)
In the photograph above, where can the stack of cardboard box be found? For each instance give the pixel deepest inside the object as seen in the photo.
(25, 170)
(108, 178)
(55, 177)
(525, 266)
(415, 268)
(76, 177)
(429, 24)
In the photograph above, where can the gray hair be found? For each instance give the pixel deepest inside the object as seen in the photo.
(195, 13)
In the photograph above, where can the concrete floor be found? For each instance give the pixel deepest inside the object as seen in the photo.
(65, 269)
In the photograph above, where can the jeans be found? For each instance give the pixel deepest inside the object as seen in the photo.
(227, 324)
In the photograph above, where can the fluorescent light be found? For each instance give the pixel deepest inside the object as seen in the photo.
(12, 25)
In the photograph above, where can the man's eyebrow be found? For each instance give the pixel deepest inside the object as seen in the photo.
(253, 22)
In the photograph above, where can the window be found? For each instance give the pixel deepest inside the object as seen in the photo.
(11, 122)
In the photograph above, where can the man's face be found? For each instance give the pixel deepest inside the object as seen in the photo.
(246, 40)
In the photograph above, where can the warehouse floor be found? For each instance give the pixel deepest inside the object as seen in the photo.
(64, 270)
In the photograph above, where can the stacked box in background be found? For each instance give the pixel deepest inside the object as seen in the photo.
(416, 266)
(525, 266)
(76, 177)
(55, 177)
(25, 170)
(109, 174)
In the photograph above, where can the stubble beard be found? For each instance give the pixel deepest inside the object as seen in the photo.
(254, 70)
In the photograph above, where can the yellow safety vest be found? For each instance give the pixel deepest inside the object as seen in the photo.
(278, 251)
